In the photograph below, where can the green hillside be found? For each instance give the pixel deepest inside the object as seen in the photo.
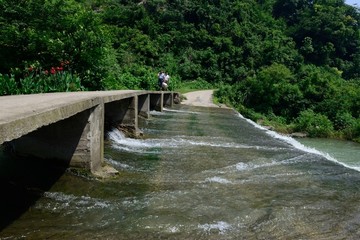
(292, 63)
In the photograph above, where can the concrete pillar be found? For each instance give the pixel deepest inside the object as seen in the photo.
(94, 140)
(123, 114)
(168, 99)
(76, 141)
(144, 105)
(156, 101)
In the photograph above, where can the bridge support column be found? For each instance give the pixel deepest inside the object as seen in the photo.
(76, 141)
(123, 114)
(144, 105)
(168, 99)
(89, 152)
(156, 101)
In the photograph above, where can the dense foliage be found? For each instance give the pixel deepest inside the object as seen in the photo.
(289, 61)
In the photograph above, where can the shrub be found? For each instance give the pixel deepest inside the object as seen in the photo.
(38, 80)
(56, 82)
(315, 124)
(137, 76)
(224, 94)
(47, 31)
(8, 85)
(196, 84)
(352, 130)
(272, 90)
(356, 131)
(343, 120)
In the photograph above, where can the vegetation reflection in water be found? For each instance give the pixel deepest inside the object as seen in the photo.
(200, 173)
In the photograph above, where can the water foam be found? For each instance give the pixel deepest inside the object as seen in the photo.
(183, 141)
(68, 201)
(123, 143)
(157, 113)
(221, 226)
(297, 144)
(180, 111)
(119, 137)
(249, 166)
(241, 166)
(218, 180)
(118, 164)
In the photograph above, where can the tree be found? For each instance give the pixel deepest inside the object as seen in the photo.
(272, 90)
(43, 33)
(327, 32)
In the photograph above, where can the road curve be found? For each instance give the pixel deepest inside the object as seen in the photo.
(203, 98)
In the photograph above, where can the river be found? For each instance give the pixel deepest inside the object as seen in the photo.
(198, 173)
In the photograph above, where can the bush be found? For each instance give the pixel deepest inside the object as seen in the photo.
(352, 130)
(224, 94)
(277, 123)
(8, 85)
(343, 120)
(356, 131)
(37, 80)
(315, 124)
(272, 90)
(49, 31)
(250, 114)
(56, 82)
(137, 76)
(195, 85)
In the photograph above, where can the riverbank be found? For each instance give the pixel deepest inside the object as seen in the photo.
(205, 98)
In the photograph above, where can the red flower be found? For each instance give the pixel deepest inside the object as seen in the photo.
(30, 69)
(52, 70)
(46, 72)
(59, 69)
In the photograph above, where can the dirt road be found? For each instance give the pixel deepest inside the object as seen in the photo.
(202, 98)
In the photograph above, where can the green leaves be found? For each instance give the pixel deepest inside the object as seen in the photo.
(327, 32)
(272, 90)
(8, 85)
(40, 83)
(51, 31)
(273, 57)
(315, 124)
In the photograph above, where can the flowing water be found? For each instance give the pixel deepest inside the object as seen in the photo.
(344, 152)
(199, 173)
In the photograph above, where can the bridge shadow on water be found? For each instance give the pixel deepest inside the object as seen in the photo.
(22, 183)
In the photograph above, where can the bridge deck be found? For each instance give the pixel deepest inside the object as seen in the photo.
(20, 114)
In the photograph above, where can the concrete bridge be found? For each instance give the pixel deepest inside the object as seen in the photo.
(70, 126)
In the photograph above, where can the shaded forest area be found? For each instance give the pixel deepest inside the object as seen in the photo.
(293, 64)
